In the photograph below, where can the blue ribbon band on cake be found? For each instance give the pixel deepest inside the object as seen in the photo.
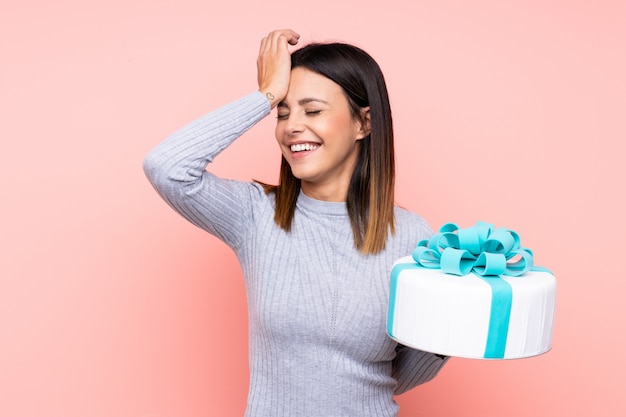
(484, 251)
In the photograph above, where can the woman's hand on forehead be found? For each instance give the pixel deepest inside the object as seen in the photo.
(274, 64)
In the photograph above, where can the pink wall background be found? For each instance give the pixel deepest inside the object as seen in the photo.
(111, 305)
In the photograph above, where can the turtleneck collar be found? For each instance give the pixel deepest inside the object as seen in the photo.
(333, 208)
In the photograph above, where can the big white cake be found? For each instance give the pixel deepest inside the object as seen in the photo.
(472, 293)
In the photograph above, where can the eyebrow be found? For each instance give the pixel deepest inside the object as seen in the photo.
(304, 101)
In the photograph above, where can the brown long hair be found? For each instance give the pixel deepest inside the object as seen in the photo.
(370, 197)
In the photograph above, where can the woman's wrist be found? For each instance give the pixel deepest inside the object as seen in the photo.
(270, 97)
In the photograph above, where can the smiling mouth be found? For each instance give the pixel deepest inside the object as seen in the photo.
(301, 147)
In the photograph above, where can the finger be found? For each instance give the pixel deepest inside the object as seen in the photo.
(292, 37)
(278, 36)
(263, 45)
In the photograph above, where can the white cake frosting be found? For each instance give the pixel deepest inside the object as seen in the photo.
(466, 314)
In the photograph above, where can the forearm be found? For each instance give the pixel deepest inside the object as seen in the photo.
(413, 367)
(185, 154)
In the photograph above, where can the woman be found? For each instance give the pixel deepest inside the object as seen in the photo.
(316, 250)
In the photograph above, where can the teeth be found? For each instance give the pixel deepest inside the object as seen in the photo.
(303, 147)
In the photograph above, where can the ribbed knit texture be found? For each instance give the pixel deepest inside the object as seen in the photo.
(317, 307)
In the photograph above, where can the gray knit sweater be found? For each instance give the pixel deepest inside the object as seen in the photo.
(317, 307)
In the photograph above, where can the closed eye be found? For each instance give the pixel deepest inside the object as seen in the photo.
(285, 116)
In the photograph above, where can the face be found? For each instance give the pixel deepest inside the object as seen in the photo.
(318, 135)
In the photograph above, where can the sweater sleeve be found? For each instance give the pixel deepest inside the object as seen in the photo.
(177, 169)
(412, 367)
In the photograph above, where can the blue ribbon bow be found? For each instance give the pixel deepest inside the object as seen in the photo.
(479, 249)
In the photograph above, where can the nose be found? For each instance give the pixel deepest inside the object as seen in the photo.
(294, 124)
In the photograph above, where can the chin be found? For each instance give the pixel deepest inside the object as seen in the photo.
(299, 175)
(299, 172)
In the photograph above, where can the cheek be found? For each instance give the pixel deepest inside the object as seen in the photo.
(278, 131)
(279, 135)
(343, 124)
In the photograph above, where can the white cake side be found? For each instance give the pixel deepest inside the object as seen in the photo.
(450, 315)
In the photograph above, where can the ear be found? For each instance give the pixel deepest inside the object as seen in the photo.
(365, 126)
